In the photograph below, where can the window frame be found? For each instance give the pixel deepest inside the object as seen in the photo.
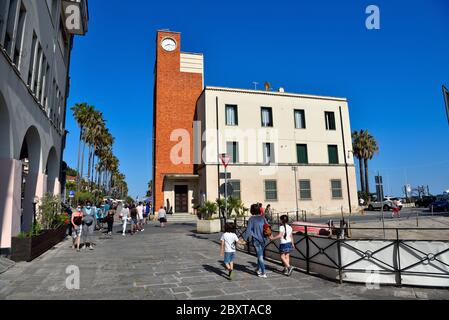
(300, 190)
(235, 144)
(235, 107)
(297, 153)
(271, 124)
(333, 189)
(266, 190)
(304, 122)
(232, 181)
(272, 154)
(329, 126)
(329, 146)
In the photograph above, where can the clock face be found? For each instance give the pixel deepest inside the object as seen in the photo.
(168, 44)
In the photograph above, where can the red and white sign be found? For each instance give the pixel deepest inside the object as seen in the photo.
(225, 159)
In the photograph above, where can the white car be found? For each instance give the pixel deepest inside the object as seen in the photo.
(387, 204)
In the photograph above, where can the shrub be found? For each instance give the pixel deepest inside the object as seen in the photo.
(207, 211)
(50, 212)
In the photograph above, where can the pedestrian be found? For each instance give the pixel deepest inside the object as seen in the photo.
(269, 213)
(89, 223)
(262, 211)
(77, 228)
(147, 212)
(162, 216)
(286, 246)
(124, 215)
(110, 220)
(255, 230)
(140, 216)
(99, 216)
(396, 210)
(69, 212)
(228, 241)
(134, 219)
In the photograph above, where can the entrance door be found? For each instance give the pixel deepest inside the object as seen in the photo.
(181, 199)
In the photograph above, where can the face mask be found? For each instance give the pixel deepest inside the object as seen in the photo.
(88, 207)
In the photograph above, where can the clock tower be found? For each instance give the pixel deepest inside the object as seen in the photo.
(178, 82)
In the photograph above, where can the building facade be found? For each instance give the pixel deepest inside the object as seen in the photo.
(35, 48)
(281, 145)
(292, 151)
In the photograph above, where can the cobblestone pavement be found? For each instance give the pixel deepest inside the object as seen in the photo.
(173, 263)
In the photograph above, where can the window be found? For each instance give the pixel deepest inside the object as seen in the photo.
(32, 61)
(267, 117)
(232, 149)
(337, 192)
(268, 153)
(333, 154)
(330, 121)
(10, 26)
(302, 154)
(305, 191)
(300, 119)
(271, 190)
(17, 57)
(231, 115)
(37, 69)
(236, 186)
(41, 85)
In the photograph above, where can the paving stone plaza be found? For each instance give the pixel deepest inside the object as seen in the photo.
(173, 264)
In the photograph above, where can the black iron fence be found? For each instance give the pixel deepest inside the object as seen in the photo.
(394, 260)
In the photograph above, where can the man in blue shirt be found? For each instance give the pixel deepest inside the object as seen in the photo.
(255, 231)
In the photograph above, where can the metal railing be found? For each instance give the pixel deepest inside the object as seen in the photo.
(395, 260)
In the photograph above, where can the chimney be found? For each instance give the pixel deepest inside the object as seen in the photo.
(267, 86)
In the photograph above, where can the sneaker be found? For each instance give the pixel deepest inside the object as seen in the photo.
(285, 271)
(258, 272)
(263, 276)
(123, 234)
(290, 270)
(142, 230)
(91, 248)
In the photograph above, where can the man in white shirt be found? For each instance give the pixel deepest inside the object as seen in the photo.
(124, 216)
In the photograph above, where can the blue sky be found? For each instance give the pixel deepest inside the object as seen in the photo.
(392, 76)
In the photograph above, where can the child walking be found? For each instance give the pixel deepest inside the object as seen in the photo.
(228, 241)
(286, 236)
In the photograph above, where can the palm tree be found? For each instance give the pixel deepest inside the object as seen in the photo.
(358, 153)
(370, 148)
(80, 113)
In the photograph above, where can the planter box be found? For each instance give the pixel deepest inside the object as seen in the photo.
(208, 226)
(29, 249)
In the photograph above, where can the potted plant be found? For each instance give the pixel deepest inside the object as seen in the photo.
(208, 221)
(48, 230)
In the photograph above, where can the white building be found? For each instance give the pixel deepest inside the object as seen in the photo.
(268, 134)
(36, 39)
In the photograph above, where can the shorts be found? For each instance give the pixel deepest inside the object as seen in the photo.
(77, 232)
(163, 220)
(286, 248)
(134, 220)
(229, 257)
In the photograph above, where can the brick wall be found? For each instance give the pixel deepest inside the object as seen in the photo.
(175, 96)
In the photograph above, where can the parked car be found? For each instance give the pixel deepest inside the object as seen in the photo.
(425, 202)
(387, 204)
(441, 205)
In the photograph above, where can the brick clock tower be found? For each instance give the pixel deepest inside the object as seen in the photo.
(178, 83)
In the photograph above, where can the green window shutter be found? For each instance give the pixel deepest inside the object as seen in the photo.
(333, 154)
(236, 186)
(302, 154)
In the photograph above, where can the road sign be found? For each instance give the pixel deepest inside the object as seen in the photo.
(446, 100)
(226, 189)
(71, 194)
(227, 175)
(225, 160)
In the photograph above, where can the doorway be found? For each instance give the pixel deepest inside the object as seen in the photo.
(181, 199)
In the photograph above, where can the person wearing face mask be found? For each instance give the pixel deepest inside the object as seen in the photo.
(124, 216)
(77, 227)
(89, 223)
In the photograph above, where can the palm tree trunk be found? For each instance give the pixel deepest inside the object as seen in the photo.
(362, 178)
(79, 155)
(88, 163)
(82, 162)
(366, 177)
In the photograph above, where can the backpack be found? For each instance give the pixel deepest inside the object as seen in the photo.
(267, 232)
